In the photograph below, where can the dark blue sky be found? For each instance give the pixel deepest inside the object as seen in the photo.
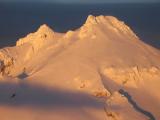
(86, 1)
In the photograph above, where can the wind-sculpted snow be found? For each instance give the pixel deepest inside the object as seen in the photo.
(98, 60)
(132, 76)
(110, 22)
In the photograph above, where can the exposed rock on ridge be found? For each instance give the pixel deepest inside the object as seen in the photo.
(39, 38)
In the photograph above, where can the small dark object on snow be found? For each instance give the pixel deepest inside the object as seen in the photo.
(13, 95)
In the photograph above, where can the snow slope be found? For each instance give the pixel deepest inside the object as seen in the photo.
(100, 71)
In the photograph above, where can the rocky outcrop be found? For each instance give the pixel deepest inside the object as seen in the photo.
(38, 39)
(6, 63)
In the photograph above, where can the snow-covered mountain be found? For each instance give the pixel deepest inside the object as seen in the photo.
(100, 71)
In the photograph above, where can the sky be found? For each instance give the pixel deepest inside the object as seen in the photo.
(86, 1)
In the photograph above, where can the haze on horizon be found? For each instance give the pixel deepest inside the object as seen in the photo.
(85, 1)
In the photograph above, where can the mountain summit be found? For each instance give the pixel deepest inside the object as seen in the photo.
(101, 70)
(108, 22)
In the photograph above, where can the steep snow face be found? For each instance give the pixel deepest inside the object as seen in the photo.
(98, 59)
(106, 35)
